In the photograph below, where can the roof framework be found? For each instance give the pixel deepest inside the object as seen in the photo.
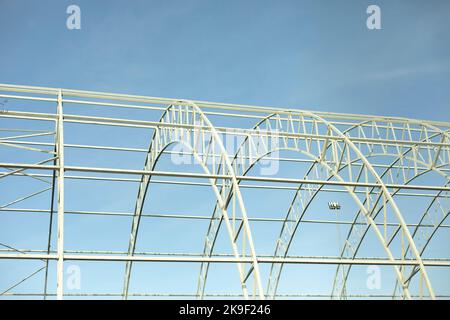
(373, 160)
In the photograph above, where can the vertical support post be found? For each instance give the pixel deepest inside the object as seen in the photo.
(60, 165)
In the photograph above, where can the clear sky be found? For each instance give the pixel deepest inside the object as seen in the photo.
(301, 54)
(312, 55)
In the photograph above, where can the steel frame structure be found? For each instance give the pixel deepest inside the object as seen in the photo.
(372, 159)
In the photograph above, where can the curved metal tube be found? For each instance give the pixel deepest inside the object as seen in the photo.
(192, 114)
(432, 168)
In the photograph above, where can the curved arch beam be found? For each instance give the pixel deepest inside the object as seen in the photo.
(298, 219)
(430, 236)
(275, 275)
(243, 168)
(247, 155)
(214, 225)
(192, 129)
(330, 130)
(371, 172)
(432, 166)
(394, 207)
(362, 235)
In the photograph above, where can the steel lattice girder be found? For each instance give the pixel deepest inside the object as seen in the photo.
(338, 147)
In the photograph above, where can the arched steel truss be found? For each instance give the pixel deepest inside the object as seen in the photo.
(372, 159)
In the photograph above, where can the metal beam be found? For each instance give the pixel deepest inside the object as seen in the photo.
(213, 259)
(60, 166)
(224, 176)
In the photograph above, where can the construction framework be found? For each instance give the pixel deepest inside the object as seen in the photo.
(372, 160)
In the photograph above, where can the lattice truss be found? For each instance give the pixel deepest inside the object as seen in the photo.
(252, 185)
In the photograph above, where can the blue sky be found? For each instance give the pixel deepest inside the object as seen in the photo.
(301, 54)
(312, 55)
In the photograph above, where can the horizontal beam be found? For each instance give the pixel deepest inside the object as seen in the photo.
(204, 104)
(228, 130)
(217, 156)
(190, 259)
(203, 184)
(67, 102)
(196, 255)
(205, 217)
(210, 295)
(227, 177)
